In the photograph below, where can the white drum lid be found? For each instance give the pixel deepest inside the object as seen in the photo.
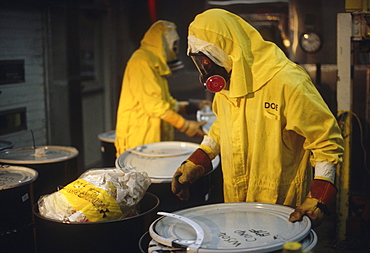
(15, 176)
(233, 227)
(308, 244)
(38, 155)
(108, 136)
(160, 159)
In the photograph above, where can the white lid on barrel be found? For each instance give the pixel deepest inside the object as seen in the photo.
(308, 244)
(160, 159)
(232, 227)
(109, 136)
(15, 176)
(37, 155)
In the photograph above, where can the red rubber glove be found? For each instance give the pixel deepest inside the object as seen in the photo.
(321, 195)
(197, 165)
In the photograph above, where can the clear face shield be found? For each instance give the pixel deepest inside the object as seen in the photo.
(213, 77)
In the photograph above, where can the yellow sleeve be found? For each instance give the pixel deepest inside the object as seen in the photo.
(174, 119)
(309, 116)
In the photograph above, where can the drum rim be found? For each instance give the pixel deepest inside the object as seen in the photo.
(31, 171)
(73, 153)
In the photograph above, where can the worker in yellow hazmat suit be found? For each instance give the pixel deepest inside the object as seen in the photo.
(147, 112)
(272, 125)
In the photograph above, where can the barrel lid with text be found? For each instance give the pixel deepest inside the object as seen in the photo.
(15, 176)
(232, 227)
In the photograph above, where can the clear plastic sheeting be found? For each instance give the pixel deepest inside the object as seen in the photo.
(97, 195)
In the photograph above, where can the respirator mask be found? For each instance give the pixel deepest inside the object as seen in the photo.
(173, 61)
(213, 77)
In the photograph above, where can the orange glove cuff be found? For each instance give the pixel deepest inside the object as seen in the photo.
(174, 119)
(324, 191)
(199, 157)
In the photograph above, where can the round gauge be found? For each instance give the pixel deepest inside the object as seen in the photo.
(310, 42)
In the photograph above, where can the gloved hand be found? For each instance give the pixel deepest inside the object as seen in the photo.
(321, 195)
(192, 128)
(197, 165)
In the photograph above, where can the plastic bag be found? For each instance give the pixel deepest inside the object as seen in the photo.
(97, 195)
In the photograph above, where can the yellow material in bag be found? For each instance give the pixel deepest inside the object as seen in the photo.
(95, 203)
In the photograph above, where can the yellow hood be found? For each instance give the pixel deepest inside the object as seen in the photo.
(159, 40)
(253, 61)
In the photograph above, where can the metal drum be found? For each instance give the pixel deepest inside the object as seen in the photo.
(106, 236)
(56, 165)
(206, 115)
(107, 148)
(16, 198)
(160, 160)
(229, 227)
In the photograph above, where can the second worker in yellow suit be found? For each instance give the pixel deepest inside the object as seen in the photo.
(272, 125)
(147, 112)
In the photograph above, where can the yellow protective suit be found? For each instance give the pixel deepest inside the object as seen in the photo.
(271, 121)
(145, 95)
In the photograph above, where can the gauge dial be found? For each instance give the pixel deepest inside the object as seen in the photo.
(310, 42)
